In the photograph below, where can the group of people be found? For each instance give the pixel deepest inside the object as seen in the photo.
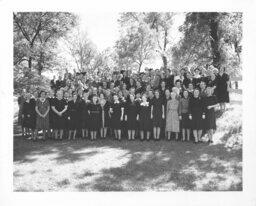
(155, 104)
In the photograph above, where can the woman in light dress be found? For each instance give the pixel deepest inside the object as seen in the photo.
(172, 116)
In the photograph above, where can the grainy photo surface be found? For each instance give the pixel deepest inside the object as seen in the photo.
(130, 101)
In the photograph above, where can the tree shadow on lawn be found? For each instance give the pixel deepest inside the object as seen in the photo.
(163, 165)
(187, 165)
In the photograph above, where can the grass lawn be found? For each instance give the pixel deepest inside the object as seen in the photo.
(107, 165)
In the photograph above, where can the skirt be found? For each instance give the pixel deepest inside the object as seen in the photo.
(185, 121)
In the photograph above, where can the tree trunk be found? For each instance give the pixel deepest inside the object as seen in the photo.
(30, 62)
(164, 62)
(140, 64)
(40, 63)
(214, 26)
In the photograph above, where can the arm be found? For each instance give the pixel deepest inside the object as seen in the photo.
(55, 110)
(179, 108)
(48, 109)
(65, 109)
(122, 113)
(37, 111)
(151, 112)
(163, 111)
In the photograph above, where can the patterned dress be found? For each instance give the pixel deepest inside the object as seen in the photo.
(172, 116)
(43, 106)
(185, 121)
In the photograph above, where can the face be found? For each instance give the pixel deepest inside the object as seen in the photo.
(185, 94)
(196, 93)
(190, 86)
(94, 99)
(209, 91)
(173, 95)
(167, 92)
(157, 94)
(85, 95)
(101, 96)
(144, 98)
(132, 98)
(35, 94)
(28, 96)
(43, 95)
(202, 85)
(59, 95)
(150, 93)
(178, 84)
(115, 97)
(74, 96)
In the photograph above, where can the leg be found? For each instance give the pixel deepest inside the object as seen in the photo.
(83, 133)
(148, 135)
(188, 134)
(105, 129)
(141, 135)
(199, 135)
(168, 135)
(69, 134)
(210, 133)
(129, 134)
(195, 135)
(101, 132)
(133, 134)
(154, 132)
(92, 135)
(183, 134)
(119, 134)
(74, 135)
(44, 133)
(176, 135)
(158, 131)
(36, 132)
(61, 134)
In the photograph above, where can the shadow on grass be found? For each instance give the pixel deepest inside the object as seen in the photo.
(162, 165)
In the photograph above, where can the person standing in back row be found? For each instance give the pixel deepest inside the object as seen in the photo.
(223, 89)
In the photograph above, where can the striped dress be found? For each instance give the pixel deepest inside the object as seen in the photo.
(42, 123)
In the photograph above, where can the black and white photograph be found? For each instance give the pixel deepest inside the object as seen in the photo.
(132, 103)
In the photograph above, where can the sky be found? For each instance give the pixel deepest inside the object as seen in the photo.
(103, 30)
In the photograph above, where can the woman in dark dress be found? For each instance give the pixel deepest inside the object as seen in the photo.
(185, 121)
(117, 116)
(84, 116)
(223, 89)
(213, 83)
(73, 114)
(196, 78)
(28, 115)
(51, 99)
(104, 117)
(157, 114)
(197, 115)
(144, 117)
(162, 88)
(94, 117)
(131, 116)
(21, 100)
(59, 108)
(190, 90)
(210, 103)
(42, 109)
